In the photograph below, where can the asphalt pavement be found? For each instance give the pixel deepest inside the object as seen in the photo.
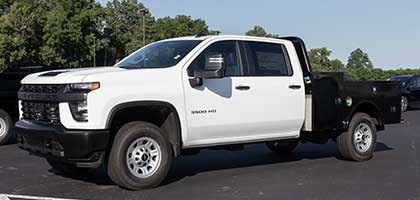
(311, 172)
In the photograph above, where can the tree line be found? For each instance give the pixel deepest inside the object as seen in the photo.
(78, 33)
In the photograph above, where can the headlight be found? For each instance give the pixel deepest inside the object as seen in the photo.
(85, 86)
(79, 111)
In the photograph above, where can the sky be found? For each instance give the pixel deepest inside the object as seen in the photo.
(388, 30)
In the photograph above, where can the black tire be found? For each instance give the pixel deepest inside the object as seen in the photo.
(345, 141)
(282, 147)
(6, 127)
(118, 168)
(67, 169)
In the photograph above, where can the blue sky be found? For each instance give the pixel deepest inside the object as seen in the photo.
(388, 30)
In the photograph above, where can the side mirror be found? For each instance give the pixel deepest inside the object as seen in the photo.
(117, 61)
(213, 68)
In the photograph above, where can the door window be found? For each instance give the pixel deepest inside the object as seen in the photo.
(417, 82)
(229, 51)
(268, 59)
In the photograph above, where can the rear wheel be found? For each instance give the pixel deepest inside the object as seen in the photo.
(140, 156)
(404, 104)
(359, 142)
(5, 127)
(282, 147)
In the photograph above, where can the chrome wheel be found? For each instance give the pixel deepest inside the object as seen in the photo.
(143, 157)
(3, 127)
(404, 104)
(362, 137)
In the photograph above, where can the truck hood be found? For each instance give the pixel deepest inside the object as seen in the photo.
(67, 75)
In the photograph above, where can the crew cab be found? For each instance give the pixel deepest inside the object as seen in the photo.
(180, 95)
(9, 86)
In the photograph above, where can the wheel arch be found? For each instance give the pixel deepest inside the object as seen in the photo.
(160, 113)
(369, 108)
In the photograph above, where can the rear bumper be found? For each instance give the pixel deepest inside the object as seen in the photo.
(84, 148)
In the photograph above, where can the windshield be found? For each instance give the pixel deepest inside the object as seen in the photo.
(159, 55)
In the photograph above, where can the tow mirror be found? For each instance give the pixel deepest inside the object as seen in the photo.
(214, 67)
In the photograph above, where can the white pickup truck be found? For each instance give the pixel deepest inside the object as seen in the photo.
(184, 94)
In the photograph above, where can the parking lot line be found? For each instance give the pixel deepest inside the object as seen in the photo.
(8, 196)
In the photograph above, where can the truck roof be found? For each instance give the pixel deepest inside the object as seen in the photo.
(220, 36)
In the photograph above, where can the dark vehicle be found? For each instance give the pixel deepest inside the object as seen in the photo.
(410, 90)
(9, 86)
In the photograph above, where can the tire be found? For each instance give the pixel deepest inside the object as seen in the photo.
(140, 156)
(67, 169)
(404, 104)
(282, 147)
(359, 142)
(6, 127)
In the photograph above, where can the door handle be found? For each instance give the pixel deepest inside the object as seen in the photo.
(242, 87)
(294, 87)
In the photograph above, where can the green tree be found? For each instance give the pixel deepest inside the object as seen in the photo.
(49, 32)
(71, 34)
(19, 34)
(179, 26)
(359, 59)
(259, 31)
(321, 62)
(124, 27)
(4, 5)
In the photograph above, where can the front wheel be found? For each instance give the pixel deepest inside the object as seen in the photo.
(140, 156)
(5, 127)
(359, 142)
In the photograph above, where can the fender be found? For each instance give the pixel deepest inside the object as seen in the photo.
(378, 114)
(174, 139)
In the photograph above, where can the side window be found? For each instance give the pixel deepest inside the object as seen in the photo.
(417, 82)
(268, 59)
(230, 54)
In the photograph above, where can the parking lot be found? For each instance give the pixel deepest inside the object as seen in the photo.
(311, 172)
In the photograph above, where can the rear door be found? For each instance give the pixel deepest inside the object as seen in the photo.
(276, 96)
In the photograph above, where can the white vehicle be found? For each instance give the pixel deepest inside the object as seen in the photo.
(188, 93)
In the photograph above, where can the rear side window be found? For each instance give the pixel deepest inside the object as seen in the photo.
(268, 59)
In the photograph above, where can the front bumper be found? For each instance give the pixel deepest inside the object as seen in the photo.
(83, 148)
